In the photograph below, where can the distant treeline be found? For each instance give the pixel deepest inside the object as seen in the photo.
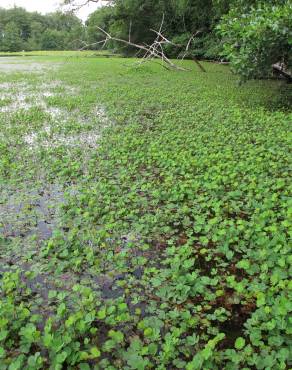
(22, 30)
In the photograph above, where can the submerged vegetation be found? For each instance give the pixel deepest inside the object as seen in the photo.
(142, 228)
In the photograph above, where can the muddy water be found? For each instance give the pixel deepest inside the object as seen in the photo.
(20, 64)
(23, 96)
(30, 214)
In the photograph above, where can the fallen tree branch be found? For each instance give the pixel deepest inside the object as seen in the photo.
(199, 64)
(281, 70)
(155, 50)
(187, 53)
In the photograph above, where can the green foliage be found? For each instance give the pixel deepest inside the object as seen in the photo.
(181, 20)
(253, 34)
(22, 30)
(53, 40)
(255, 37)
(102, 18)
(11, 40)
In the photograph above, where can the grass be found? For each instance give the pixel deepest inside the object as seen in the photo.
(146, 219)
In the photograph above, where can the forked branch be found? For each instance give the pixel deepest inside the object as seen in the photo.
(152, 51)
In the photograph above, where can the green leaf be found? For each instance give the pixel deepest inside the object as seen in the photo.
(2, 352)
(84, 366)
(61, 357)
(3, 334)
(118, 336)
(243, 264)
(101, 314)
(239, 343)
(95, 352)
(17, 363)
(261, 299)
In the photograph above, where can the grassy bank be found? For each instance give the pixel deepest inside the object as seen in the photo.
(146, 218)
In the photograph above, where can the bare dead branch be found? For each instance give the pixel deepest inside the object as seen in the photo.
(152, 51)
(187, 53)
(162, 23)
(199, 65)
(75, 5)
(130, 30)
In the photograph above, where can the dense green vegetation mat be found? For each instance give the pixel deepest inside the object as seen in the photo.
(145, 218)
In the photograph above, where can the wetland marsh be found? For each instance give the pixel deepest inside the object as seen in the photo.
(145, 217)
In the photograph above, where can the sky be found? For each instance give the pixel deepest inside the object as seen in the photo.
(47, 6)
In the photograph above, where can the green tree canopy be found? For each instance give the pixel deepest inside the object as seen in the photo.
(22, 30)
(11, 37)
(257, 35)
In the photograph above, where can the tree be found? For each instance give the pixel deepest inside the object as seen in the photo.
(103, 18)
(21, 18)
(36, 30)
(258, 36)
(53, 40)
(11, 38)
(22, 30)
(182, 19)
